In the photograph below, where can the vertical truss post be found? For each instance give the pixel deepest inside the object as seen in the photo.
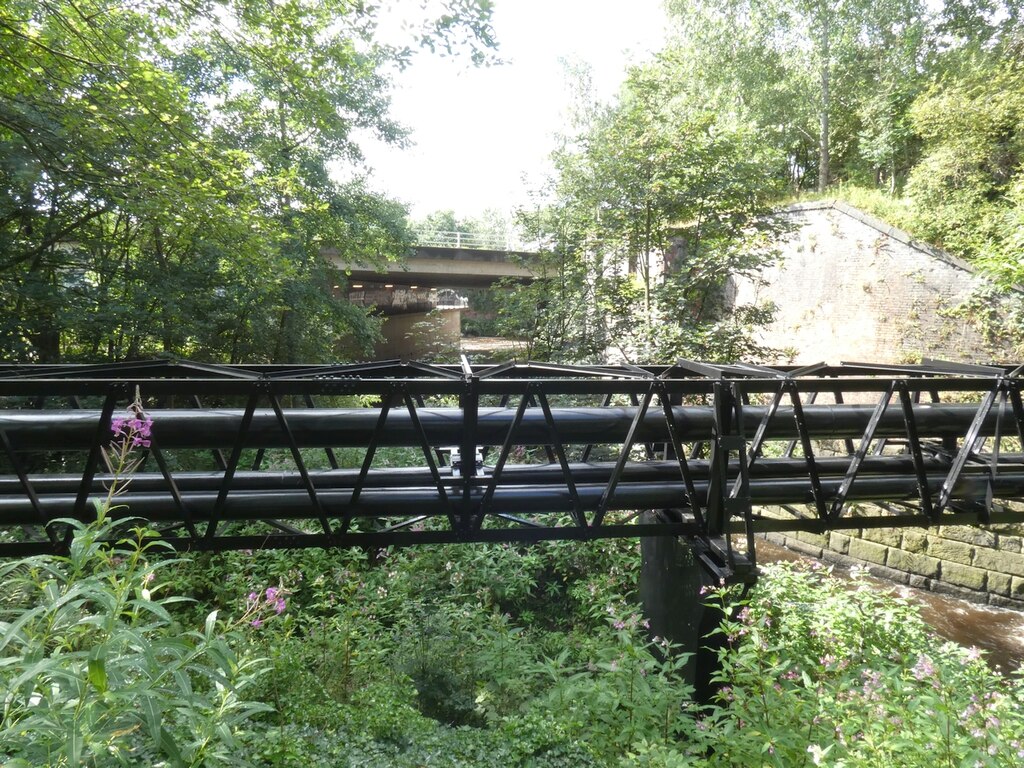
(723, 441)
(469, 403)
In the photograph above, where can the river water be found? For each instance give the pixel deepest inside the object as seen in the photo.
(997, 631)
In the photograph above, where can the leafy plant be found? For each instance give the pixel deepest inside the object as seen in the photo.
(93, 667)
(818, 672)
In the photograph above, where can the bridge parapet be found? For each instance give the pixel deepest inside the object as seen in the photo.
(437, 238)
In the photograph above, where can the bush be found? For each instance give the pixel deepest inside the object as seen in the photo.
(817, 672)
(96, 671)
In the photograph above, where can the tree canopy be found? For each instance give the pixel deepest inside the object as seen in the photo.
(662, 195)
(165, 172)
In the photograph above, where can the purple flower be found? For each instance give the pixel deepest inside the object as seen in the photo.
(271, 594)
(279, 606)
(257, 623)
(924, 668)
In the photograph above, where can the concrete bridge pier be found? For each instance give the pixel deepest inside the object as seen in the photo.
(671, 580)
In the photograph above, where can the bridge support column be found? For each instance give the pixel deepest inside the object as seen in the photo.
(671, 578)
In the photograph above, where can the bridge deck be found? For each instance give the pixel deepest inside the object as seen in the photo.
(286, 456)
(445, 267)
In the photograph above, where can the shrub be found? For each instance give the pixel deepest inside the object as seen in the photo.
(819, 672)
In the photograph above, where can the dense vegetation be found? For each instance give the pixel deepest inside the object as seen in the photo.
(168, 178)
(467, 656)
(169, 173)
(912, 108)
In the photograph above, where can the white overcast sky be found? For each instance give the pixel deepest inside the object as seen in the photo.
(478, 132)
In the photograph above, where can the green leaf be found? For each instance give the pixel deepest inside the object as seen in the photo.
(98, 674)
(211, 626)
(170, 748)
(153, 715)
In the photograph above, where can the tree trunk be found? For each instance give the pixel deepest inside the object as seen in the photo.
(823, 147)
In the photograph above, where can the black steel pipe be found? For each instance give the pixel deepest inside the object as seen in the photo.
(521, 499)
(512, 474)
(75, 430)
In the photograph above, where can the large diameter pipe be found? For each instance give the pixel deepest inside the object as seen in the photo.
(409, 502)
(69, 430)
(513, 474)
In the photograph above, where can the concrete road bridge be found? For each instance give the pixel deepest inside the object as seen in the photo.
(419, 295)
(447, 260)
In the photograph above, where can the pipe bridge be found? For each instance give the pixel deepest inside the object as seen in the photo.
(391, 453)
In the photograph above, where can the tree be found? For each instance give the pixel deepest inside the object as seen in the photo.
(826, 82)
(164, 180)
(965, 193)
(652, 208)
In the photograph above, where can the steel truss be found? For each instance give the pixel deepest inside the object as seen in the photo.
(262, 456)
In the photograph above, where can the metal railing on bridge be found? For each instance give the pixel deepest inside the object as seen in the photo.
(404, 453)
(482, 241)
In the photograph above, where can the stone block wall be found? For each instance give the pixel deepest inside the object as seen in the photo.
(983, 565)
(849, 287)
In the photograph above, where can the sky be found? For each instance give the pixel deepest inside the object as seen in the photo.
(482, 135)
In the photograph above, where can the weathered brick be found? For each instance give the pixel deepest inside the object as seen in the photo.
(979, 536)
(839, 542)
(1009, 529)
(964, 575)
(1006, 602)
(815, 539)
(954, 551)
(999, 583)
(1017, 588)
(812, 550)
(1003, 562)
(919, 582)
(1007, 543)
(915, 541)
(868, 551)
(922, 565)
(889, 574)
(880, 297)
(890, 537)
